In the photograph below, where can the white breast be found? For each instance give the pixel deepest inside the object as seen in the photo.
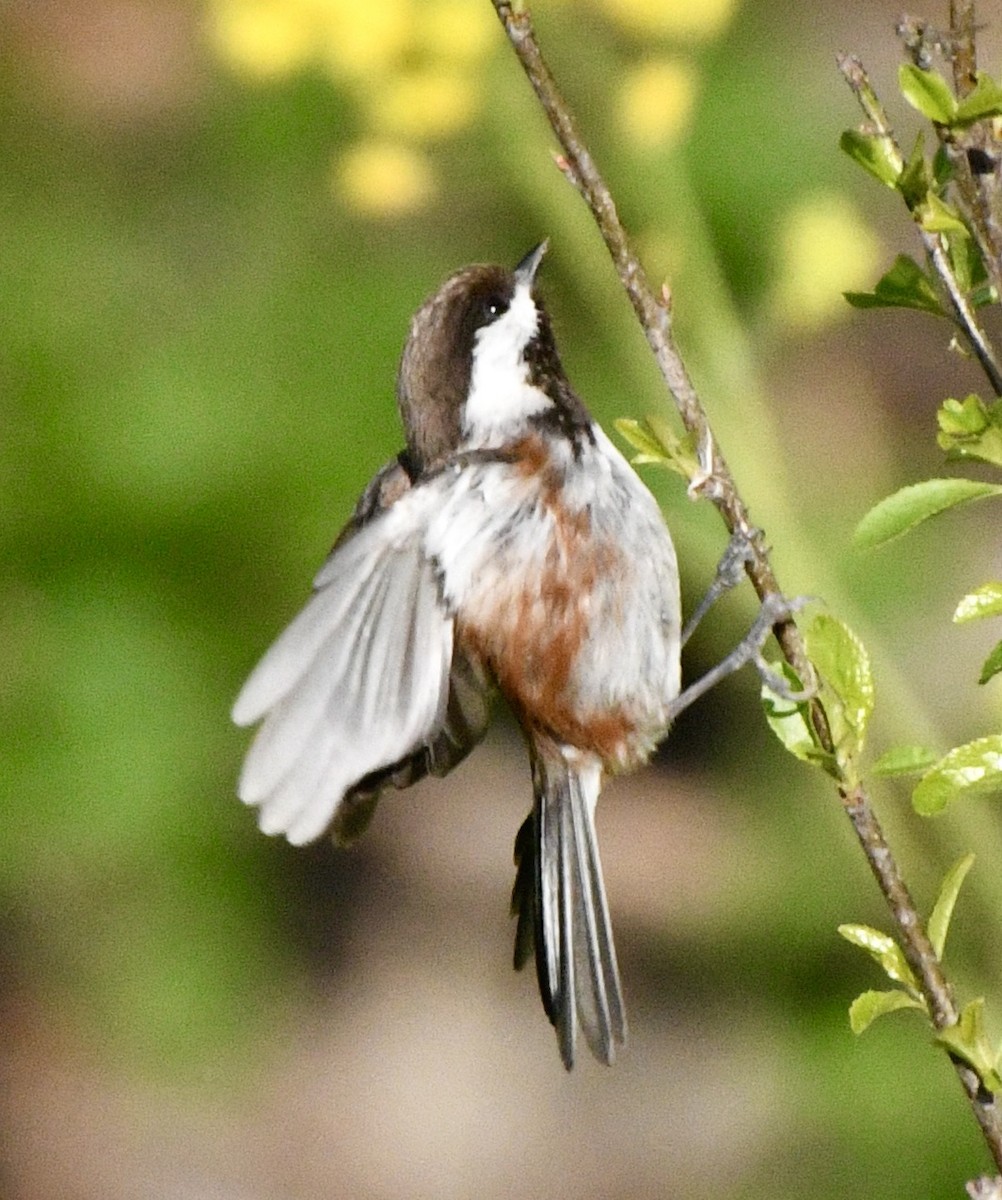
(497, 541)
(501, 398)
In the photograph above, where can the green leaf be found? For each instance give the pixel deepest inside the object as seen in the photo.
(658, 443)
(868, 1006)
(969, 417)
(969, 428)
(929, 92)
(942, 911)
(885, 950)
(790, 721)
(965, 258)
(942, 168)
(992, 665)
(968, 1041)
(637, 434)
(842, 662)
(968, 772)
(936, 216)
(904, 760)
(983, 294)
(915, 179)
(905, 285)
(984, 101)
(875, 153)
(679, 448)
(910, 506)
(984, 601)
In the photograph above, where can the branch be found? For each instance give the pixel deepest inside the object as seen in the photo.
(654, 314)
(964, 49)
(973, 152)
(961, 309)
(922, 958)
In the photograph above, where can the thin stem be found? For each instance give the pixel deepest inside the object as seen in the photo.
(973, 150)
(960, 307)
(964, 51)
(654, 314)
(921, 956)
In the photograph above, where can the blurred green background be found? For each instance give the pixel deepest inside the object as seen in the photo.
(215, 222)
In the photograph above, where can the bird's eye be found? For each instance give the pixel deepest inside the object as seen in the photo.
(494, 306)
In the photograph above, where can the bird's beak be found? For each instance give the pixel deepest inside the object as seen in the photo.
(525, 272)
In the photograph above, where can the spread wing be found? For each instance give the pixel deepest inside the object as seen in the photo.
(467, 715)
(358, 685)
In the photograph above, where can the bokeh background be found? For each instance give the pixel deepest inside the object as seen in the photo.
(215, 221)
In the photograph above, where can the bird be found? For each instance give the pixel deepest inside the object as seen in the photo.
(508, 548)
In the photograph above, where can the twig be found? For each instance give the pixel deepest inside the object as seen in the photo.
(921, 956)
(963, 47)
(961, 308)
(973, 151)
(654, 315)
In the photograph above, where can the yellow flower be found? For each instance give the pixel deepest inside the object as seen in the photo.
(459, 31)
(384, 179)
(263, 37)
(423, 104)
(825, 248)
(678, 18)
(656, 101)
(366, 37)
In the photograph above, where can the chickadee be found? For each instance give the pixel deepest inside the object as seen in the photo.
(510, 545)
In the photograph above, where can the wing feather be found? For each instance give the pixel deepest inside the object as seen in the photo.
(297, 647)
(358, 681)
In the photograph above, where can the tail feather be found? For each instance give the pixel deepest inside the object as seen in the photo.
(564, 891)
(595, 952)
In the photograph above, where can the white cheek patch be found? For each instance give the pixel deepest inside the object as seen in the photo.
(501, 397)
